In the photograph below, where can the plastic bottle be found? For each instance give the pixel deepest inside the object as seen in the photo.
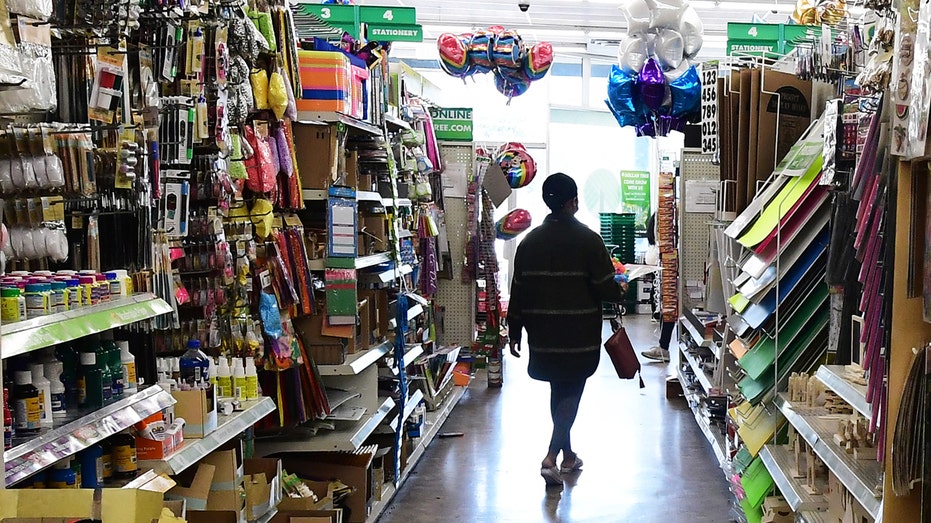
(124, 456)
(211, 373)
(36, 301)
(175, 368)
(195, 367)
(58, 300)
(76, 468)
(106, 447)
(103, 363)
(252, 380)
(12, 305)
(75, 296)
(44, 386)
(114, 364)
(53, 371)
(103, 287)
(224, 379)
(88, 284)
(128, 362)
(91, 460)
(239, 379)
(116, 286)
(8, 430)
(61, 476)
(90, 378)
(25, 403)
(70, 364)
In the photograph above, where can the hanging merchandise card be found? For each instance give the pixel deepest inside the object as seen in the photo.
(920, 94)
(342, 240)
(709, 110)
(107, 92)
(901, 81)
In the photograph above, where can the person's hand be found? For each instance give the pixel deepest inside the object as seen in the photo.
(515, 348)
(624, 287)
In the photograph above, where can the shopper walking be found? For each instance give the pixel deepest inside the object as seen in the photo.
(657, 352)
(562, 274)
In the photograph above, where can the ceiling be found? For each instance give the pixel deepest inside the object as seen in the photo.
(572, 26)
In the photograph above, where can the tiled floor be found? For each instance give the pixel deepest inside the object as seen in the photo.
(645, 458)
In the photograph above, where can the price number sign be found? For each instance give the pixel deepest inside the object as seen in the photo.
(709, 109)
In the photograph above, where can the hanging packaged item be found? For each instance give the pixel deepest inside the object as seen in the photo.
(332, 82)
(259, 166)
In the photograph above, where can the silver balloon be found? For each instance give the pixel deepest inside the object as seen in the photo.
(638, 16)
(692, 31)
(633, 53)
(668, 48)
(665, 13)
(680, 70)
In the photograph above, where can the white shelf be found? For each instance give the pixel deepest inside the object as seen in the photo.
(715, 439)
(860, 477)
(700, 373)
(811, 516)
(358, 362)
(314, 195)
(386, 276)
(388, 490)
(833, 378)
(412, 313)
(375, 259)
(402, 202)
(345, 413)
(66, 440)
(409, 406)
(432, 424)
(693, 331)
(29, 335)
(778, 460)
(368, 196)
(347, 439)
(396, 123)
(228, 428)
(336, 397)
(327, 117)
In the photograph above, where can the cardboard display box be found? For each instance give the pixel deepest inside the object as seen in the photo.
(351, 469)
(196, 491)
(54, 505)
(308, 516)
(261, 481)
(213, 516)
(199, 410)
(325, 350)
(320, 488)
(317, 158)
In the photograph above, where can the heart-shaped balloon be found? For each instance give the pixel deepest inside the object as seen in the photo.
(511, 85)
(686, 93)
(692, 31)
(480, 51)
(538, 60)
(638, 15)
(651, 85)
(633, 52)
(512, 224)
(454, 57)
(508, 50)
(668, 49)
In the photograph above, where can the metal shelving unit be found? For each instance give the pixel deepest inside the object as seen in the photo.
(811, 516)
(228, 428)
(386, 276)
(313, 195)
(29, 335)
(375, 259)
(409, 406)
(700, 373)
(327, 117)
(716, 439)
(432, 424)
(860, 477)
(347, 439)
(396, 123)
(358, 362)
(47, 448)
(833, 378)
(778, 461)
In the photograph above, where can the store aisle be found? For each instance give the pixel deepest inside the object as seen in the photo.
(645, 458)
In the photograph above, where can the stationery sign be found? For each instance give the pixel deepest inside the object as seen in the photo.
(453, 124)
(709, 110)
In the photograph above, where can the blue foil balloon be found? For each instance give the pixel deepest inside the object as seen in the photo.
(622, 91)
(624, 119)
(511, 86)
(686, 93)
(480, 50)
(508, 50)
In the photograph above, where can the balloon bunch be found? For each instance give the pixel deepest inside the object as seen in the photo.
(499, 51)
(655, 88)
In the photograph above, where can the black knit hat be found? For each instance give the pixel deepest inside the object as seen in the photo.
(558, 189)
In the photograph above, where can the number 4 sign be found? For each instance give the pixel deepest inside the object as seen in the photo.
(709, 110)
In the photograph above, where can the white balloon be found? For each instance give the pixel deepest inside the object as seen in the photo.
(692, 31)
(666, 13)
(672, 74)
(668, 48)
(633, 53)
(638, 16)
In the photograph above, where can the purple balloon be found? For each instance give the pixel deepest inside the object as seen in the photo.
(652, 85)
(667, 124)
(647, 129)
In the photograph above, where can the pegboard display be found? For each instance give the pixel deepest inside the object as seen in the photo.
(456, 297)
(696, 173)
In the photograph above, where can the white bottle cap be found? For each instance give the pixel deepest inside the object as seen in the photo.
(22, 377)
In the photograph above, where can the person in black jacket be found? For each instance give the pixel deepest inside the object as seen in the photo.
(562, 274)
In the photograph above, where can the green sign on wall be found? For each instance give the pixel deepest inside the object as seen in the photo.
(395, 33)
(452, 124)
(386, 24)
(635, 195)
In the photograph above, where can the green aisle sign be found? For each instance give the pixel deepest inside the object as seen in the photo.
(635, 195)
(386, 24)
(395, 33)
(372, 14)
(452, 124)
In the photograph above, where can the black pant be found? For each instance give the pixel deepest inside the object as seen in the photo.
(665, 336)
(564, 405)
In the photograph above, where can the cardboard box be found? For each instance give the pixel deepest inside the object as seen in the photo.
(151, 449)
(115, 505)
(213, 516)
(320, 488)
(351, 178)
(325, 350)
(317, 160)
(197, 491)
(793, 108)
(308, 516)
(262, 483)
(351, 469)
(199, 410)
(375, 229)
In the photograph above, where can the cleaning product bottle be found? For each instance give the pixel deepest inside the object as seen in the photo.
(61, 475)
(124, 456)
(25, 403)
(70, 365)
(195, 367)
(239, 379)
(91, 460)
(8, 430)
(252, 380)
(103, 364)
(114, 364)
(224, 379)
(45, 394)
(90, 378)
(53, 371)
(128, 362)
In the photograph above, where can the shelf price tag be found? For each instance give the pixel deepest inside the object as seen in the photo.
(709, 110)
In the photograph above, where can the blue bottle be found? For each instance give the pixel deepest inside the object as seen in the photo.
(195, 367)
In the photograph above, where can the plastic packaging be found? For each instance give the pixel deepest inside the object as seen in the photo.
(26, 410)
(128, 362)
(58, 301)
(116, 286)
(40, 382)
(36, 301)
